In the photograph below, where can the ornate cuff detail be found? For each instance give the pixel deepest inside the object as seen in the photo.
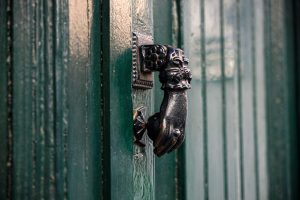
(170, 62)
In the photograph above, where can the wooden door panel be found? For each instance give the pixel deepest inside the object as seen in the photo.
(118, 138)
(5, 100)
(143, 157)
(231, 129)
(56, 90)
(220, 44)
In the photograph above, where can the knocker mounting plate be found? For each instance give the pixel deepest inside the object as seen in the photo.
(140, 78)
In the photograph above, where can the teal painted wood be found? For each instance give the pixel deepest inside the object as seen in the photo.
(247, 100)
(196, 126)
(84, 98)
(227, 125)
(143, 162)
(56, 131)
(260, 99)
(61, 118)
(177, 40)
(230, 108)
(118, 154)
(5, 99)
(24, 108)
(296, 139)
(169, 169)
(280, 99)
(214, 98)
(166, 181)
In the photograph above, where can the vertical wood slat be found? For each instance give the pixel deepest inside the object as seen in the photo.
(165, 166)
(277, 190)
(46, 160)
(260, 100)
(61, 118)
(84, 100)
(180, 167)
(143, 157)
(5, 98)
(230, 65)
(240, 140)
(247, 96)
(94, 100)
(223, 94)
(21, 105)
(118, 154)
(214, 100)
(49, 97)
(82, 155)
(169, 169)
(254, 96)
(40, 104)
(280, 99)
(204, 98)
(295, 8)
(196, 155)
(240, 92)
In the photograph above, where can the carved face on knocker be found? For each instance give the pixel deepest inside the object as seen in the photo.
(175, 74)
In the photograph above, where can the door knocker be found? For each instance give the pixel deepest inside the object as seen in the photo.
(165, 128)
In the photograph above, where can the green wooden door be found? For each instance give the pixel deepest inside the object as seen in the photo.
(66, 101)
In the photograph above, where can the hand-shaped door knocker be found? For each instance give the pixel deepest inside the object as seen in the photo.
(167, 127)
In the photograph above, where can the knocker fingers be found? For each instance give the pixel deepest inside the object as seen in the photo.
(169, 142)
(178, 143)
(165, 147)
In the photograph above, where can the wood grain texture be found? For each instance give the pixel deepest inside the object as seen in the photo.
(61, 110)
(165, 166)
(196, 132)
(231, 137)
(84, 98)
(247, 103)
(280, 109)
(56, 92)
(5, 98)
(117, 100)
(261, 131)
(226, 127)
(295, 7)
(143, 157)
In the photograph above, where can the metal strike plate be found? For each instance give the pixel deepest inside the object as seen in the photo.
(141, 78)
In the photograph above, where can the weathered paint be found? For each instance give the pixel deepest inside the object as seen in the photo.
(143, 157)
(5, 98)
(56, 75)
(117, 101)
(281, 121)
